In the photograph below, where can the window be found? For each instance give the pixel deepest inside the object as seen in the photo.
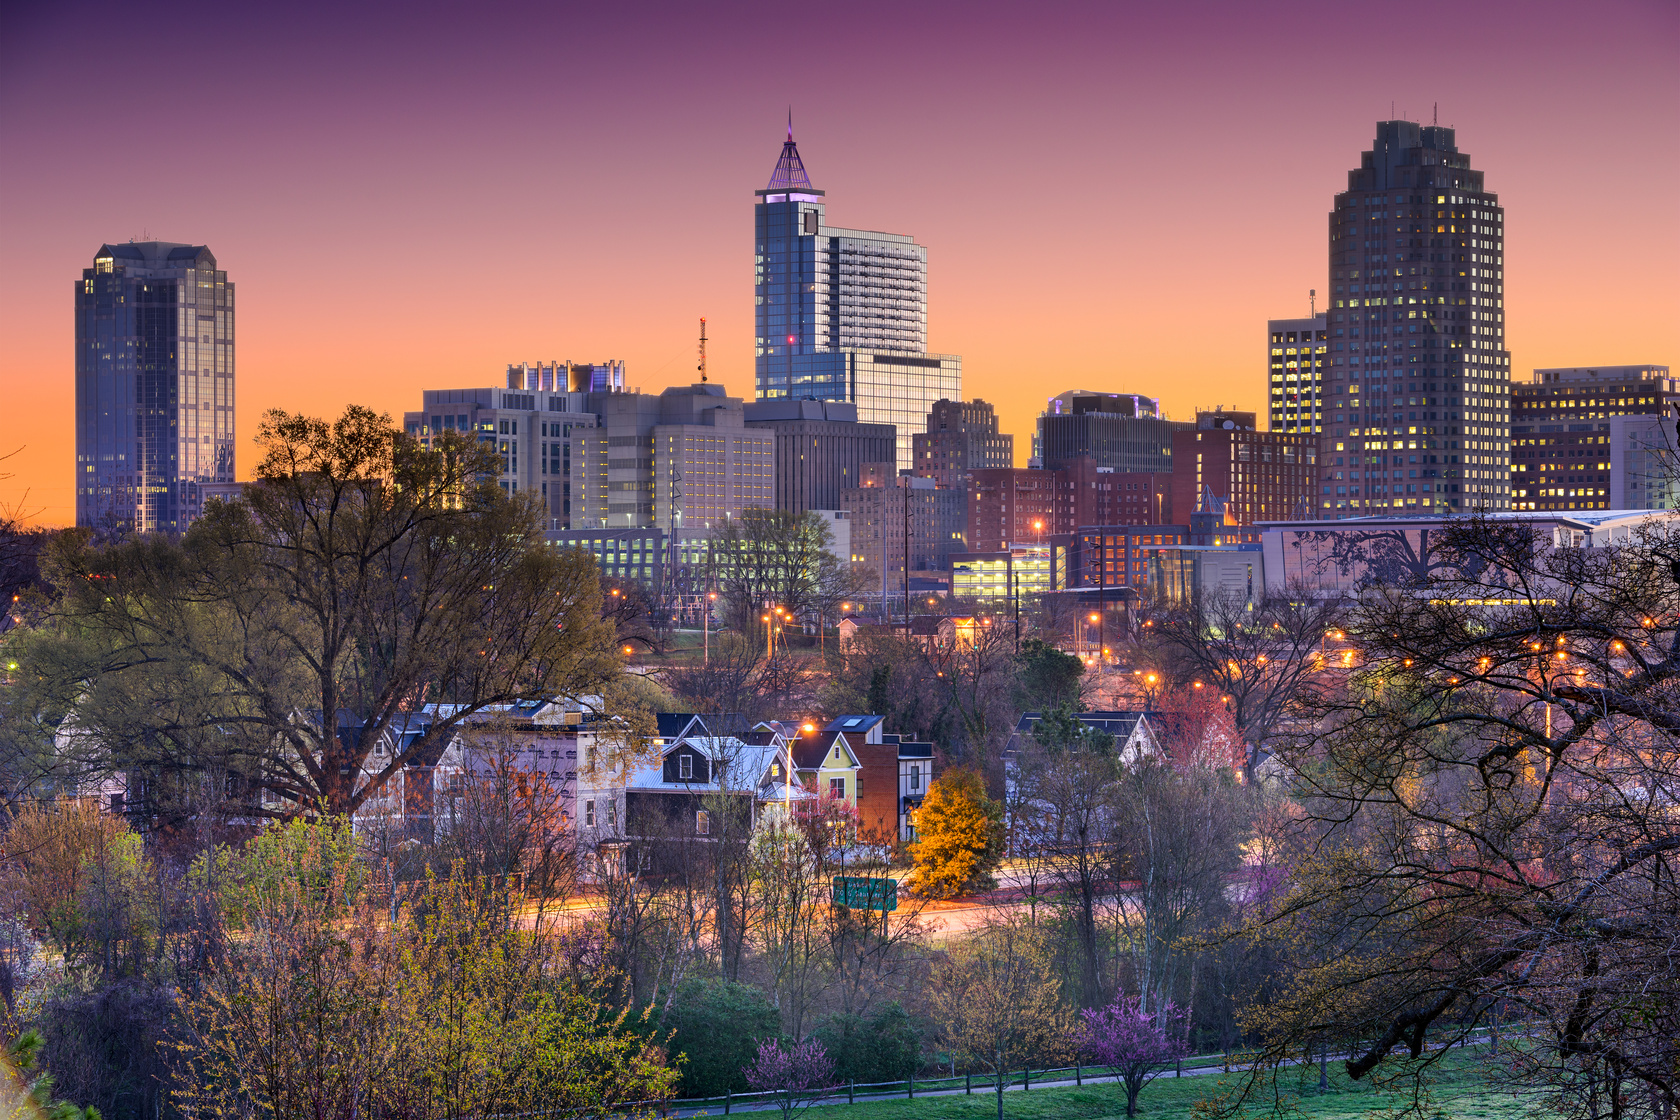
(685, 766)
(915, 776)
(612, 811)
(837, 788)
(589, 813)
(702, 823)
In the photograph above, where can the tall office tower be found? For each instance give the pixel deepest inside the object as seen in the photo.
(1593, 438)
(1418, 415)
(154, 385)
(820, 449)
(961, 437)
(529, 424)
(1297, 352)
(841, 314)
(1122, 431)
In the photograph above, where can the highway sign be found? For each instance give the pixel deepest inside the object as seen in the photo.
(859, 893)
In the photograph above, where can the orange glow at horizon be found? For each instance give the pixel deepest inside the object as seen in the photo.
(1110, 201)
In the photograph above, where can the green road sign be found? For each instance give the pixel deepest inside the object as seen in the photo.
(858, 893)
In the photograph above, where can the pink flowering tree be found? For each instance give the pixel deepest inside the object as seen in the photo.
(1139, 1044)
(796, 1077)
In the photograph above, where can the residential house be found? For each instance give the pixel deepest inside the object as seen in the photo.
(1135, 733)
(892, 777)
(828, 766)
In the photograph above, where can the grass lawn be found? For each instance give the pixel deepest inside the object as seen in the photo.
(1458, 1093)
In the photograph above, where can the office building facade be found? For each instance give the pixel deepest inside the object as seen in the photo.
(961, 437)
(1118, 556)
(1593, 438)
(1122, 431)
(898, 519)
(1418, 396)
(1261, 476)
(536, 425)
(154, 386)
(841, 314)
(820, 449)
(683, 462)
(1297, 351)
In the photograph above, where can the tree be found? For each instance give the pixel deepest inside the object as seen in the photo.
(322, 1006)
(716, 1027)
(883, 1047)
(1259, 655)
(23, 1092)
(1488, 798)
(795, 1077)
(1136, 1043)
(777, 558)
(959, 836)
(294, 632)
(995, 1000)
(1049, 678)
(1066, 775)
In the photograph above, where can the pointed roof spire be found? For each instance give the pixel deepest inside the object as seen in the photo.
(790, 169)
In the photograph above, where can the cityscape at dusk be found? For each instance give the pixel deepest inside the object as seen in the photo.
(1112, 199)
(639, 561)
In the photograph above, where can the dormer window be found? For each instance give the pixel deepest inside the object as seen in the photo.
(775, 769)
(685, 766)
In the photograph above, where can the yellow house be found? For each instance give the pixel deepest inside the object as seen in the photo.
(828, 766)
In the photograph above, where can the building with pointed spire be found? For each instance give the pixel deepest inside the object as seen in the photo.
(841, 314)
(1417, 410)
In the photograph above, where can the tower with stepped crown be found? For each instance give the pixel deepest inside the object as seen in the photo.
(841, 314)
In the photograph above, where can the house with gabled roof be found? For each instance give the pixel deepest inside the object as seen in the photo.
(646, 814)
(1135, 734)
(827, 765)
(893, 775)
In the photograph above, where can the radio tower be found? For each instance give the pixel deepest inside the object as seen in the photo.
(702, 350)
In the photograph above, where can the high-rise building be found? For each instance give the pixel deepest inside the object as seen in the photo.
(1122, 431)
(841, 314)
(961, 437)
(1593, 438)
(820, 449)
(683, 462)
(154, 385)
(899, 518)
(1260, 476)
(1297, 351)
(529, 424)
(1418, 409)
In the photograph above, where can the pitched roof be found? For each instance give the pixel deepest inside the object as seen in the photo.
(810, 751)
(1120, 724)
(853, 724)
(790, 169)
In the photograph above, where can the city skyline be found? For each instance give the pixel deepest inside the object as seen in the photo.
(1011, 156)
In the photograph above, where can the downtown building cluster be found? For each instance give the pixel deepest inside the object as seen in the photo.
(1395, 401)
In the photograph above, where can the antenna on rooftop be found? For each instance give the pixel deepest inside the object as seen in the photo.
(702, 350)
(1312, 303)
(1435, 114)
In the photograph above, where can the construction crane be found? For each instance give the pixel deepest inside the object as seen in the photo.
(702, 350)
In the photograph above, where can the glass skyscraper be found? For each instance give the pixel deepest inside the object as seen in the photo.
(154, 385)
(1418, 400)
(841, 314)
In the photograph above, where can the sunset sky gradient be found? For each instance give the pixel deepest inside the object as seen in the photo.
(1113, 197)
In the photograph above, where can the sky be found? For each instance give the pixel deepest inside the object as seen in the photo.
(1114, 196)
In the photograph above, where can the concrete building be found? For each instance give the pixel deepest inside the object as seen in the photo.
(1010, 577)
(1419, 393)
(530, 425)
(841, 314)
(961, 437)
(1122, 431)
(1025, 504)
(820, 449)
(154, 385)
(1262, 476)
(683, 462)
(892, 515)
(1297, 357)
(1590, 438)
(1117, 556)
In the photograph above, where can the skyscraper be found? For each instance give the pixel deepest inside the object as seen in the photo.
(154, 385)
(961, 436)
(1418, 401)
(841, 314)
(1297, 352)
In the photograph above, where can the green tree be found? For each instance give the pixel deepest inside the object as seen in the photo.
(290, 632)
(959, 836)
(716, 1027)
(780, 558)
(1048, 678)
